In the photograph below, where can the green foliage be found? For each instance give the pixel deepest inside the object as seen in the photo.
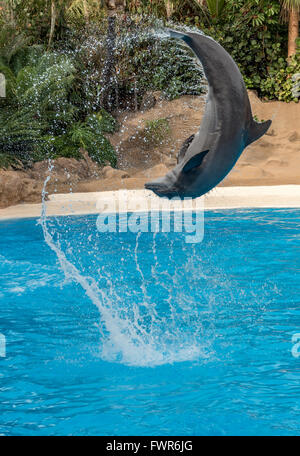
(83, 11)
(170, 68)
(251, 31)
(279, 84)
(33, 17)
(20, 133)
(147, 62)
(54, 100)
(44, 86)
(215, 7)
(102, 122)
(155, 7)
(256, 118)
(39, 118)
(89, 136)
(7, 161)
(156, 131)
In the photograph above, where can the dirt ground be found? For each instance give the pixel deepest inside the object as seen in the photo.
(272, 160)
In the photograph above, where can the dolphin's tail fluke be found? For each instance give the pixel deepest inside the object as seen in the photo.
(175, 34)
(256, 130)
(180, 35)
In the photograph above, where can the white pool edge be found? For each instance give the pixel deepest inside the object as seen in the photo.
(278, 196)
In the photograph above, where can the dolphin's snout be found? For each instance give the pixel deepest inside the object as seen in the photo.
(157, 186)
(161, 188)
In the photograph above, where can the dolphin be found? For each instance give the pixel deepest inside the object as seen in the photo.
(227, 126)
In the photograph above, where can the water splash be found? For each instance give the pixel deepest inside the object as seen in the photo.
(149, 318)
(127, 40)
(148, 322)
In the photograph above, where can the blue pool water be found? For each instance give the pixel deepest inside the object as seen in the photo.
(143, 334)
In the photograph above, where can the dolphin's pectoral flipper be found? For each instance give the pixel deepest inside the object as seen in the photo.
(256, 130)
(195, 161)
(184, 148)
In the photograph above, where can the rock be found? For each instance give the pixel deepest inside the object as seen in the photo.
(263, 143)
(294, 137)
(66, 169)
(271, 132)
(156, 171)
(10, 188)
(276, 163)
(111, 173)
(16, 187)
(252, 172)
(62, 168)
(145, 162)
(26, 185)
(32, 191)
(257, 152)
(93, 169)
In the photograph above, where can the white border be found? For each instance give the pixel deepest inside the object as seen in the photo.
(277, 196)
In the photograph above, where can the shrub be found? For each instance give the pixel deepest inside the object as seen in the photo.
(44, 86)
(170, 68)
(255, 37)
(20, 133)
(156, 131)
(40, 119)
(279, 84)
(149, 62)
(143, 62)
(88, 135)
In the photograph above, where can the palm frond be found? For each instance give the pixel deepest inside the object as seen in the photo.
(215, 7)
(291, 4)
(20, 132)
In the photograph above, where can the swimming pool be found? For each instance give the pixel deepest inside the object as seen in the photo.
(144, 334)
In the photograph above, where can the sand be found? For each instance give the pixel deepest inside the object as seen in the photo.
(272, 160)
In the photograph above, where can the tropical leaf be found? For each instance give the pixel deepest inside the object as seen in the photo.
(215, 7)
(20, 133)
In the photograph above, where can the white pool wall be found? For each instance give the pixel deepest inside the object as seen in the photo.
(279, 196)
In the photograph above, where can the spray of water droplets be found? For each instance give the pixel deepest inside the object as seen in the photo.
(152, 292)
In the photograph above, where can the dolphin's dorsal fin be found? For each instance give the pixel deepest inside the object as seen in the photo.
(256, 130)
(195, 161)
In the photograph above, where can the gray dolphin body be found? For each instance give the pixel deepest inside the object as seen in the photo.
(226, 129)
